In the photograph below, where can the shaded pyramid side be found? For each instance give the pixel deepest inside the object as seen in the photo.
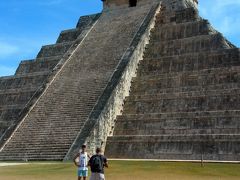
(184, 102)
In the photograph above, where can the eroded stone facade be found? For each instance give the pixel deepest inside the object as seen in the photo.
(184, 100)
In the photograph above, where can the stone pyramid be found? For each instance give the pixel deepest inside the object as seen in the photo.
(145, 79)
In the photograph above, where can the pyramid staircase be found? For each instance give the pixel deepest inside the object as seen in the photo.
(60, 112)
(19, 92)
(184, 102)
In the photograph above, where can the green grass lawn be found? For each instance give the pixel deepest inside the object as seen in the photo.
(126, 170)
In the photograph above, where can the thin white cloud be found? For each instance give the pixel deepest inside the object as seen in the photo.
(229, 25)
(223, 15)
(7, 49)
(222, 3)
(50, 2)
(22, 47)
(5, 70)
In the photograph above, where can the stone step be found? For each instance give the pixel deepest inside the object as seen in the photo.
(174, 115)
(82, 113)
(144, 130)
(35, 141)
(9, 114)
(32, 66)
(4, 123)
(75, 120)
(79, 107)
(182, 16)
(38, 144)
(69, 35)
(208, 71)
(15, 98)
(49, 132)
(75, 96)
(179, 95)
(35, 155)
(178, 125)
(85, 22)
(52, 148)
(49, 59)
(51, 141)
(54, 49)
(69, 126)
(51, 158)
(88, 20)
(171, 31)
(186, 102)
(23, 81)
(177, 138)
(10, 109)
(190, 62)
(15, 106)
(186, 15)
(202, 79)
(71, 130)
(211, 147)
(23, 156)
(3, 126)
(151, 123)
(52, 121)
(46, 129)
(186, 45)
(140, 89)
(17, 90)
(23, 66)
(32, 158)
(42, 140)
(30, 149)
(55, 150)
(45, 132)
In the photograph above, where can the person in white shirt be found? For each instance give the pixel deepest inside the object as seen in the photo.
(81, 161)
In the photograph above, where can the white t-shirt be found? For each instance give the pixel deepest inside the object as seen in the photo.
(83, 161)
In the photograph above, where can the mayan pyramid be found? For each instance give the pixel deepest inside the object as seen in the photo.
(143, 79)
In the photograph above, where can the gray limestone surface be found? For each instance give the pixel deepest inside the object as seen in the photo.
(52, 124)
(20, 91)
(154, 81)
(184, 101)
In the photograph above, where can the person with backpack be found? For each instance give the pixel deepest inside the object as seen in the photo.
(81, 161)
(97, 163)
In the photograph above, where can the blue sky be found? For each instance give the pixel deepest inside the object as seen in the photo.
(26, 25)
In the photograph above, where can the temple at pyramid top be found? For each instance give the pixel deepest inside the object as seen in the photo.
(133, 3)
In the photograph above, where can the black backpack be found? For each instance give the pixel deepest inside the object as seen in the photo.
(97, 164)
